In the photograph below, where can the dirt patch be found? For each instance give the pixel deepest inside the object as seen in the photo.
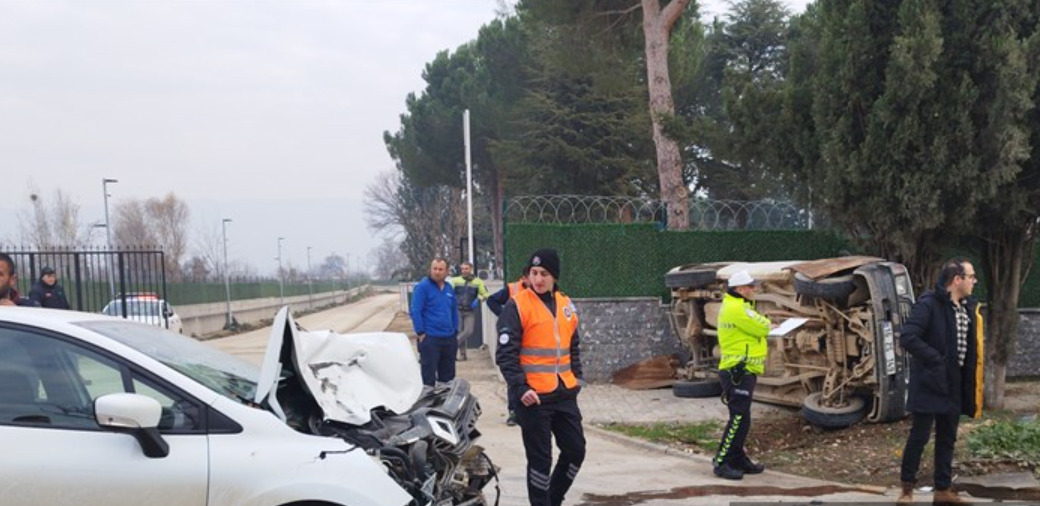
(870, 453)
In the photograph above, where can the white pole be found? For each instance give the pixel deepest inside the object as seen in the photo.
(108, 237)
(281, 289)
(469, 186)
(227, 276)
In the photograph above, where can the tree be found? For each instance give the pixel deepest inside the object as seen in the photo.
(389, 260)
(51, 222)
(658, 21)
(131, 226)
(333, 266)
(918, 135)
(170, 217)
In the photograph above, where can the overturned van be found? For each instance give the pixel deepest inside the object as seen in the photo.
(842, 365)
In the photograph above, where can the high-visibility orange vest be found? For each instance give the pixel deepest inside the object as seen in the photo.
(514, 288)
(545, 349)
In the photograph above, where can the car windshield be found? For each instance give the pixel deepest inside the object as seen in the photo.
(218, 371)
(133, 308)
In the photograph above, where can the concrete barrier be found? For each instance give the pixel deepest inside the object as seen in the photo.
(204, 319)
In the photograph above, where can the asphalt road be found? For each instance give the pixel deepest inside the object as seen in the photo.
(617, 471)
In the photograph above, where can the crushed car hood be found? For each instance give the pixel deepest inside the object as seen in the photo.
(346, 374)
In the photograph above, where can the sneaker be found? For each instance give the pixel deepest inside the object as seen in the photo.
(750, 467)
(729, 473)
(511, 419)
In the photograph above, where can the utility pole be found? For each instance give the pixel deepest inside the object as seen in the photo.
(469, 187)
(229, 324)
(281, 287)
(108, 236)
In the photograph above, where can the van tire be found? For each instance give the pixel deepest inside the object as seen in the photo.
(833, 418)
(836, 289)
(696, 277)
(697, 389)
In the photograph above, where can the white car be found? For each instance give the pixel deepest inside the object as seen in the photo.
(148, 309)
(100, 410)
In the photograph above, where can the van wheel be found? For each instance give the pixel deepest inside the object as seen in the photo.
(697, 388)
(833, 417)
(696, 277)
(836, 289)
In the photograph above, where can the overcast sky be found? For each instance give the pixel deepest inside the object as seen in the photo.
(268, 112)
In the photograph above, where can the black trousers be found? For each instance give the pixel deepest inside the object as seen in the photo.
(945, 437)
(737, 397)
(538, 424)
(437, 359)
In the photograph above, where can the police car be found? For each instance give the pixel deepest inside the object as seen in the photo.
(145, 308)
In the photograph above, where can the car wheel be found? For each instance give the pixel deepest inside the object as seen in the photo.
(695, 277)
(835, 289)
(833, 417)
(697, 388)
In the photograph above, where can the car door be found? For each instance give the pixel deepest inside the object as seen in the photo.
(54, 452)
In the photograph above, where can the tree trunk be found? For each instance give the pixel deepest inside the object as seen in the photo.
(1002, 260)
(657, 26)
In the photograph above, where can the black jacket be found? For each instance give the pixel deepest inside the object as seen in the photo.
(510, 337)
(938, 385)
(49, 296)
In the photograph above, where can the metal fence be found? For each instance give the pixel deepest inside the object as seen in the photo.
(705, 214)
(91, 278)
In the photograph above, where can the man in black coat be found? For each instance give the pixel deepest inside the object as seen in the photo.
(47, 292)
(944, 338)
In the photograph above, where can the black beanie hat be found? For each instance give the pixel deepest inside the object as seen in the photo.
(547, 259)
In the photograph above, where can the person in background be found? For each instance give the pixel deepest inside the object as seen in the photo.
(9, 284)
(495, 303)
(47, 292)
(435, 319)
(539, 356)
(469, 291)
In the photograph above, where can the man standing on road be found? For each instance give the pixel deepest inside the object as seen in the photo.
(742, 339)
(47, 292)
(944, 338)
(538, 355)
(495, 303)
(435, 320)
(469, 291)
(9, 284)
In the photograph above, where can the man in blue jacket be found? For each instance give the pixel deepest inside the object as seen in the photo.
(435, 319)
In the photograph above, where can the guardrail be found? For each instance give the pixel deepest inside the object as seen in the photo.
(204, 319)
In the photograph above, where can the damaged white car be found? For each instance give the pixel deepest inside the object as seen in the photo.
(97, 410)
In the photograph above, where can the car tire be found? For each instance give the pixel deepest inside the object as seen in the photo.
(835, 289)
(696, 277)
(833, 418)
(697, 388)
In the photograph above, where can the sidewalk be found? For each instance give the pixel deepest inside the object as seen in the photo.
(623, 471)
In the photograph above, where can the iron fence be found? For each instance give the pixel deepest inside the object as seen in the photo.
(705, 214)
(91, 278)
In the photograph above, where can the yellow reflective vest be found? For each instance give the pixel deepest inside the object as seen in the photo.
(742, 334)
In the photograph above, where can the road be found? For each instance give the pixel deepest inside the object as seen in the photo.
(617, 470)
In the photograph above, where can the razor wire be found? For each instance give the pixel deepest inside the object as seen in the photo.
(705, 214)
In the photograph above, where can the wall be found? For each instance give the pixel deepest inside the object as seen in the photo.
(619, 332)
(204, 319)
(1027, 350)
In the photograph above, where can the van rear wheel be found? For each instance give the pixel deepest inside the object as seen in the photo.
(833, 417)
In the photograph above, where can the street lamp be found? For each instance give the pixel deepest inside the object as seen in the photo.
(227, 276)
(281, 288)
(108, 236)
(310, 285)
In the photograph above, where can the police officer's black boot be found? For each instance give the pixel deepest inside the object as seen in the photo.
(728, 472)
(745, 464)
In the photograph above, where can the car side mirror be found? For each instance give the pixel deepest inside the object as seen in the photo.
(136, 415)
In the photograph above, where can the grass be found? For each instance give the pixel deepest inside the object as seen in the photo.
(1016, 439)
(703, 435)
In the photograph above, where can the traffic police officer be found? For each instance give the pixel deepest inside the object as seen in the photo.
(538, 355)
(742, 338)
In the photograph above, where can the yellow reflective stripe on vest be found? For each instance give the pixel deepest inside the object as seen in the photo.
(539, 352)
(554, 368)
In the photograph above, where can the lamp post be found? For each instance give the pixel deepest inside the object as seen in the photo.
(108, 236)
(281, 288)
(310, 286)
(227, 276)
